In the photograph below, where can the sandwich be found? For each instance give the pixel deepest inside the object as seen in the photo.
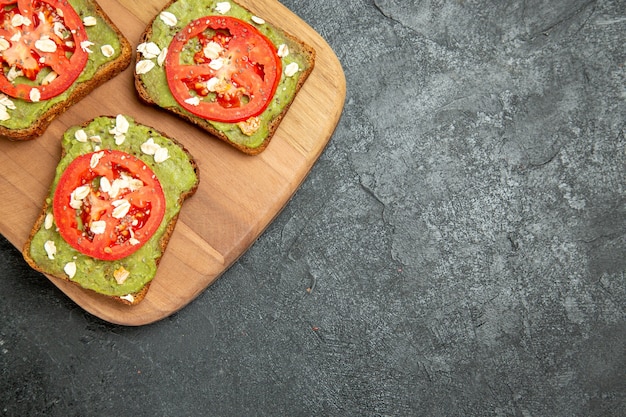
(222, 68)
(112, 207)
(53, 53)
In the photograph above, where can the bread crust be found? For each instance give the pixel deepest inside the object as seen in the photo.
(103, 74)
(202, 123)
(138, 296)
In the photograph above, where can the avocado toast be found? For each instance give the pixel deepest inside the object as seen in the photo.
(112, 207)
(220, 67)
(53, 53)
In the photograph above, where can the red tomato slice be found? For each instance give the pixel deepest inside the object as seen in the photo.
(235, 72)
(40, 34)
(108, 204)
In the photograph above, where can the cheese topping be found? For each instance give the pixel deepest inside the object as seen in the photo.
(70, 269)
(257, 20)
(50, 249)
(143, 66)
(90, 21)
(34, 95)
(168, 18)
(291, 69)
(222, 7)
(107, 50)
(120, 275)
(85, 45)
(48, 221)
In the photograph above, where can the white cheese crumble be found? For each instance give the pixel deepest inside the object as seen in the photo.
(120, 275)
(48, 221)
(34, 95)
(107, 50)
(90, 21)
(257, 20)
(78, 195)
(168, 18)
(49, 78)
(283, 50)
(216, 64)
(212, 50)
(291, 69)
(6, 104)
(13, 74)
(98, 227)
(60, 30)
(161, 155)
(50, 249)
(144, 66)
(222, 7)
(70, 269)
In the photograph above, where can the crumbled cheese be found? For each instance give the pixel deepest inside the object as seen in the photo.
(34, 95)
(105, 185)
(95, 159)
(81, 136)
(16, 37)
(98, 227)
(257, 20)
(120, 129)
(149, 50)
(144, 66)
(95, 138)
(168, 18)
(4, 44)
(283, 50)
(222, 7)
(90, 21)
(291, 69)
(48, 221)
(50, 249)
(85, 46)
(45, 44)
(107, 50)
(70, 269)
(4, 114)
(120, 275)
(5, 105)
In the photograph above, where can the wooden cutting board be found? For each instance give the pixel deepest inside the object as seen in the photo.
(238, 195)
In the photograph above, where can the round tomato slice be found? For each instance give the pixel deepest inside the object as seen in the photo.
(234, 73)
(107, 204)
(37, 35)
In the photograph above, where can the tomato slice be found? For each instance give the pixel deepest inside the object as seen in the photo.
(234, 73)
(107, 204)
(37, 35)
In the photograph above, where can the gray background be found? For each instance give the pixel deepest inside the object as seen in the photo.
(458, 249)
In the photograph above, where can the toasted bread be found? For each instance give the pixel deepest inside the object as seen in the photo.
(178, 176)
(28, 120)
(152, 86)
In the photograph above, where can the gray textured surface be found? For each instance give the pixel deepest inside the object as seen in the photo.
(459, 248)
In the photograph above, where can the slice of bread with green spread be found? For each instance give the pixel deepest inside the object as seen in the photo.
(112, 207)
(53, 54)
(193, 61)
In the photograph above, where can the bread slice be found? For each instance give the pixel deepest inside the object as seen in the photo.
(28, 120)
(153, 89)
(178, 176)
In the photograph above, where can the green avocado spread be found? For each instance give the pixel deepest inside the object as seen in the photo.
(100, 34)
(176, 175)
(186, 11)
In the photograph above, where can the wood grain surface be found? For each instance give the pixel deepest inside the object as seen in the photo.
(238, 195)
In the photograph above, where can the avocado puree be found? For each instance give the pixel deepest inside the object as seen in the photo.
(176, 176)
(186, 11)
(101, 34)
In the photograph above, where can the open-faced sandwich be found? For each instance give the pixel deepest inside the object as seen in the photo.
(112, 207)
(219, 66)
(53, 53)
